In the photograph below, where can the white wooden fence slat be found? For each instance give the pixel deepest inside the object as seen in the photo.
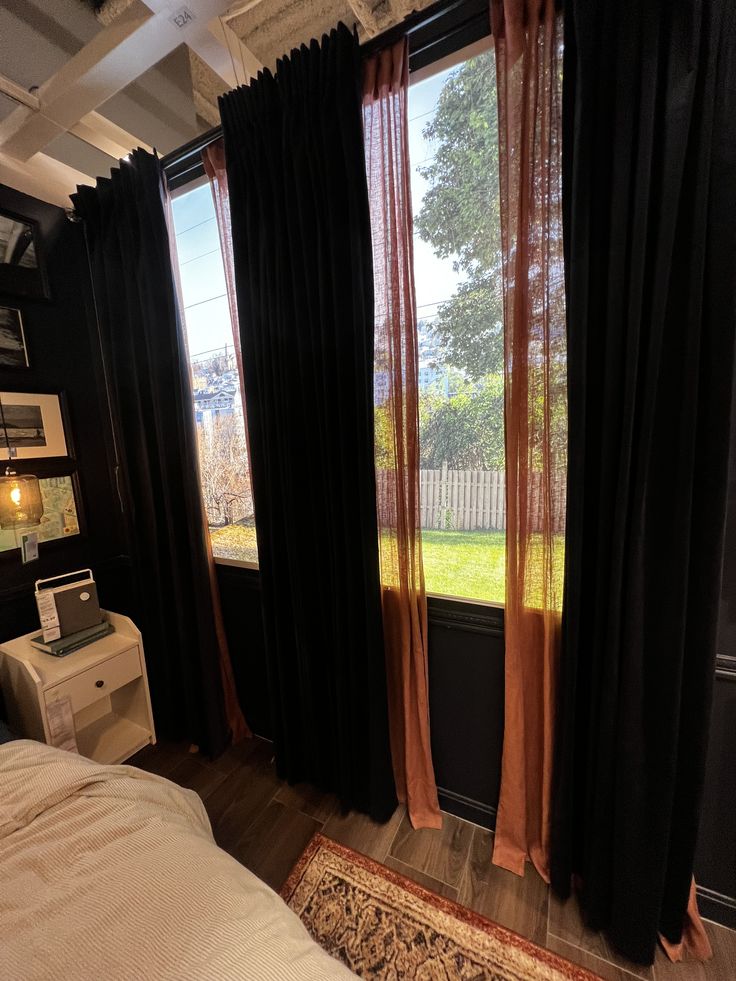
(475, 500)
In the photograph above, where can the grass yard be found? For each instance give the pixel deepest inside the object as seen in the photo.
(468, 564)
(235, 542)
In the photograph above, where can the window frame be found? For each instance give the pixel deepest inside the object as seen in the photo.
(420, 74)
(440, 37)
(196, 179)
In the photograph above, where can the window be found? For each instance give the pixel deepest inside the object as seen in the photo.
(453, 148)
(218, 406)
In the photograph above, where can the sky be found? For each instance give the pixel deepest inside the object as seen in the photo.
(200, 261)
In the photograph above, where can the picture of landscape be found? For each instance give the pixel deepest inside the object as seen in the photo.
(17, 246)
(12, 342)
(60, 518)
(22, 425)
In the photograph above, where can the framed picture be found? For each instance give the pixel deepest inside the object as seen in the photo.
(62, 513)
(13, 353)
(31, 426)
(22, 265)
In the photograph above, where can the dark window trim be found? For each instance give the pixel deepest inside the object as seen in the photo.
(437, 31)
(434, 33)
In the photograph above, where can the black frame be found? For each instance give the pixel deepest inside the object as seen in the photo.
(434, 33)
(35, 464)
(11, 554)
(56, 466)
(437, 31)
(20, 280)
(27, 365)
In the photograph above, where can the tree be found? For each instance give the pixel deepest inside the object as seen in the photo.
(224, 470)
(459, 216)
(465, 431)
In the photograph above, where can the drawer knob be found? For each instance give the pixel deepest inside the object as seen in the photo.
(99, 684)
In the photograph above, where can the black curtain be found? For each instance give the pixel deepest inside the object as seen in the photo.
(138, 312)
(649, 192)
(304, 279)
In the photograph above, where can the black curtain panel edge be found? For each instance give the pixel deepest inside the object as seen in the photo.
(304, 280)
(142, 333)
(649, 196)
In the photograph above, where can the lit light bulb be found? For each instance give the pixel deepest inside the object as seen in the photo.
(15, 496)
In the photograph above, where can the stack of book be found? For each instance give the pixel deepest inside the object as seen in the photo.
(72, 642)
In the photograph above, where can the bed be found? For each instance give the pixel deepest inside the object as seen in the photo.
(107, 872)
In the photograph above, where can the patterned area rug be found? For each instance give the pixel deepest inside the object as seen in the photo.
(386, 927)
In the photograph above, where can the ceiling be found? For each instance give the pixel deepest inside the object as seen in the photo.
(80, 88)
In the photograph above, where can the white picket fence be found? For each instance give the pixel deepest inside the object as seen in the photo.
(463, 500)
(475, 500)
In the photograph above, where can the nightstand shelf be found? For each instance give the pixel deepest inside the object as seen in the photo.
(112, 738)
(105, 686)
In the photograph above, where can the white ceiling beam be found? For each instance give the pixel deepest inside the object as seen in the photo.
(224, 52)
(42, 177)
(105, 135)
(135, 41)
(93, 128)
(17, 92)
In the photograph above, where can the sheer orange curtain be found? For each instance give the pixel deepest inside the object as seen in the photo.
(213, 158)
(385, 79)
(239, 728)
(528, 42)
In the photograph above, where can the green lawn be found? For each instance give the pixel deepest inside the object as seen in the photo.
(235, 542)
(469, 564)
(465, 564)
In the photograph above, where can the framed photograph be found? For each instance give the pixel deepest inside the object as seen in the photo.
(22, 265)
(31, 426)
(13, 353)
(62, 513)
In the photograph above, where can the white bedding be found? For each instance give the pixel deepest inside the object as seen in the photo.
(107, 872)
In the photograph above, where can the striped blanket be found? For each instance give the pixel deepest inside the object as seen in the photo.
(107, 872)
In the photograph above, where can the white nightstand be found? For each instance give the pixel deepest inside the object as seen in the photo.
(106, 683)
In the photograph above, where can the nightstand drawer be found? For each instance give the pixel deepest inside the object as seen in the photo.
(96, 682)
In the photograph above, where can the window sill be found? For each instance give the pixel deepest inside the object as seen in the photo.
(463, 599)
(485, 604)
(236, 563)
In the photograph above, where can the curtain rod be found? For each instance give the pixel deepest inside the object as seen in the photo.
(441, 25)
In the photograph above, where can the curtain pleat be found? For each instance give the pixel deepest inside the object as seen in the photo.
(527, 37)
(239, 728)
(144, 342)
(404, 601)
(304, 283)
(213, 158)
(649, 202)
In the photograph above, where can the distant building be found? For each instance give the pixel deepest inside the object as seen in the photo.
(380, 387)
(210, 405)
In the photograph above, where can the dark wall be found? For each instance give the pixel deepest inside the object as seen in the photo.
(466, 693)
(465, 688)
(64, 357)
(240, 595)
(465, 640)
(715, 862)
(466, 696)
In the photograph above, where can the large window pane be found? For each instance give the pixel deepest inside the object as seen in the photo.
(453, 145)
(218, 406)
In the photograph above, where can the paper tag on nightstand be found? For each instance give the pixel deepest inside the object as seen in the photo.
(49, 615)
(61, 724)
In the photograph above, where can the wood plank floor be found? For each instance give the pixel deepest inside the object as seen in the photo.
(266, 824)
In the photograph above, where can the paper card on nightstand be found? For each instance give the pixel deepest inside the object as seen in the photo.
(61, 724)
(49, 615)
